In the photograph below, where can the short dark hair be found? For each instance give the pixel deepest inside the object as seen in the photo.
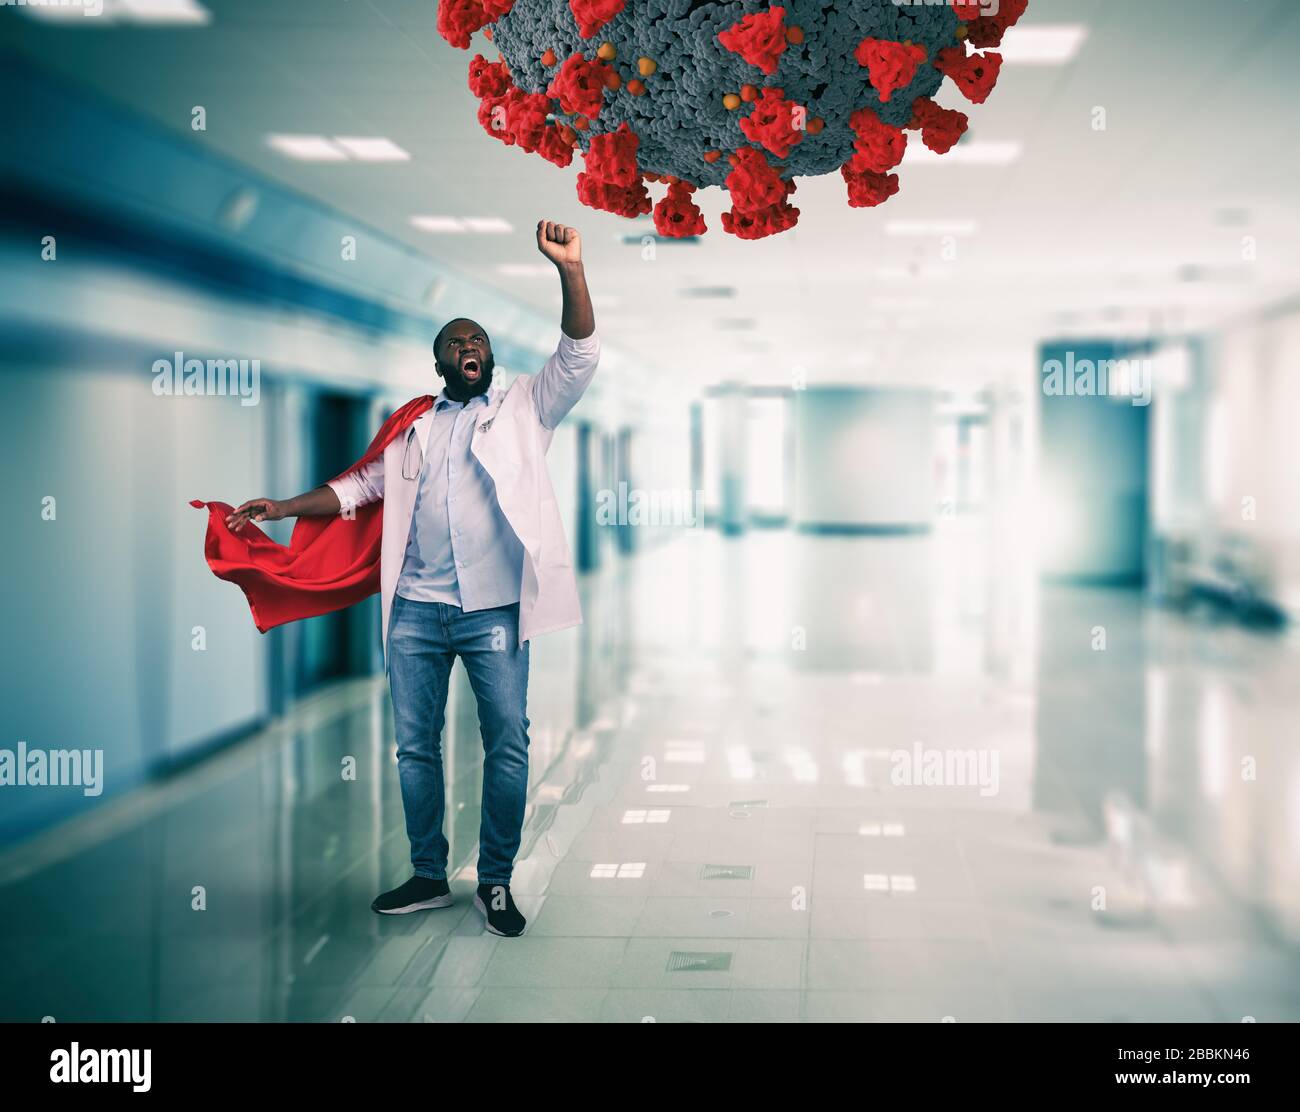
(437, 340)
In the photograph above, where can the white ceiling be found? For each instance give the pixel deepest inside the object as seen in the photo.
(1135, 228)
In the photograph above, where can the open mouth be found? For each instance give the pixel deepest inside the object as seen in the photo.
(470, 367)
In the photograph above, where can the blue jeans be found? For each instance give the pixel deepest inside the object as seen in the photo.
(424, 639)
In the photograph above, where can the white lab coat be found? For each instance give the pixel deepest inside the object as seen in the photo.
(510, 440)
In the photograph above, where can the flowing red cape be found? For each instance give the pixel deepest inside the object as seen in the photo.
(329, 563)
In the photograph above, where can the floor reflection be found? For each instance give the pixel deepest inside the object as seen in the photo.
(717, 827)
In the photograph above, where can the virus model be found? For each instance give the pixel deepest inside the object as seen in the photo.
(736, 94)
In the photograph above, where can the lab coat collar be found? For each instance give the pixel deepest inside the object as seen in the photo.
(424, 422)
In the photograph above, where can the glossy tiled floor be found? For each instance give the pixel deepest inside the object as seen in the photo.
(717, 829)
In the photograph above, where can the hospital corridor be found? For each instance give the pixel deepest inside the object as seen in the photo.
(878, 595)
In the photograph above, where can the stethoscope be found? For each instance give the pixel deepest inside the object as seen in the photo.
(410, 436)
(406, 455)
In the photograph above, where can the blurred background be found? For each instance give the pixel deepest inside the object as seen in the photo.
(893, 534)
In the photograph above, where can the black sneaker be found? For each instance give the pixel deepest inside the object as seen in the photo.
(417, 894)
(499, 909)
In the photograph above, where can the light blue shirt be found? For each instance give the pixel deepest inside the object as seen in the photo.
(461, 548)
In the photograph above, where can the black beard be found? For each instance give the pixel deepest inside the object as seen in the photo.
(461, 391)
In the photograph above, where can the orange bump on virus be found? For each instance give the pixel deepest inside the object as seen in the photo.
(548, 57)
(731, 102)
(794, 35)
(749, 93)
(636, 87)
(646, 66)
(607, 52)
(712, 156)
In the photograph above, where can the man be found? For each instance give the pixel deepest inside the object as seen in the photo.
(474, 563)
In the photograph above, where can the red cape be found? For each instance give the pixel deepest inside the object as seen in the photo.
(330, 562)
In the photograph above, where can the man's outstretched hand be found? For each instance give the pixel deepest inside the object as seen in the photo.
(259, 510)
(559, 243)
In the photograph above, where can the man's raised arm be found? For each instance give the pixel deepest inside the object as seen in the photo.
(563, 246)
(561, 382)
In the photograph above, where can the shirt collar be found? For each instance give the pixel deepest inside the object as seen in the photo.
(444, 402)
